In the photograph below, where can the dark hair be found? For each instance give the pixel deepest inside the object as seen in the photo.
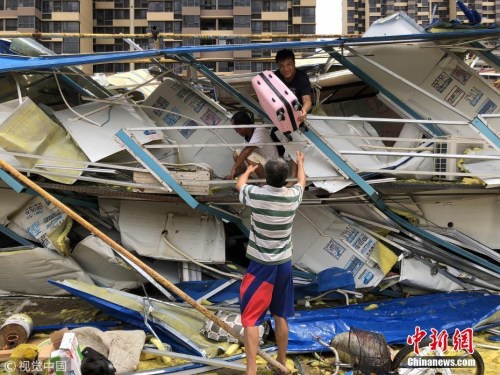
(284, 54)
(241, 118)
(276, 172)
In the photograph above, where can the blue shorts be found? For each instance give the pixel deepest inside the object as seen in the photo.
(266, 287)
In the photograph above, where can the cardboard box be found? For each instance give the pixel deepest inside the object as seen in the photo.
(62, 355)
(66, 360)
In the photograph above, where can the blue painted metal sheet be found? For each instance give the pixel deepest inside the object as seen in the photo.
(20, 63)
(396, 319)
(166, 333)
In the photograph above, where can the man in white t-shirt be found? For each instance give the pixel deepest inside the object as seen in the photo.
(251, 154)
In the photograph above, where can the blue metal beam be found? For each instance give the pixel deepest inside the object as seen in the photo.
(375, 198)
(12, 182)
(21, 63)
(485, 130)
(16, 237)
(162, 175)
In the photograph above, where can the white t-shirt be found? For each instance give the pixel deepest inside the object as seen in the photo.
(261, 135)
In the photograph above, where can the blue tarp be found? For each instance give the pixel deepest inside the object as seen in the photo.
(329, 279)
(396, 319)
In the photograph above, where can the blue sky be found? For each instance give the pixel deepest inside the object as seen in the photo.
(328, 16)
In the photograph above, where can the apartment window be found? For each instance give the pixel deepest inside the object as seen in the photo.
(308, 14)
(10, 25)
(266, 27)
(67, 6)
(191, 42)
(103, 17)
(71, 45)
(2, 7)
(26, 3)
(226, 24)
(242, 65)
(11, 5)
(208, 42)
(190, 21)
(26, 22)
(71, 27)
(208, 24)
(178, 6)
(122, 4)
(121, 14)
(208, 4)
(226, 66)
(242, 21)
(242, 3)
(278, 6)
(160, 6)
(257, 67)
(190, 3)
(256, 7)
(141, 3)
(140, 14)
(225, 4)
(165, 27)
(279, 26)
(307, 29)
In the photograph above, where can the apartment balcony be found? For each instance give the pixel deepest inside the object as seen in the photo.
(105, 41)
(104, 5)
(65, 16)
(304, 3)
(274, 16)
(217, 55)
(217, 32)
(160, 16)
(216, 13)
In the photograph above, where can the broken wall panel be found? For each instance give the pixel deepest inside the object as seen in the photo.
(155, 230)
(27, 271)
(338, 244)
(29, 130)
(97, 139)
(103, 266)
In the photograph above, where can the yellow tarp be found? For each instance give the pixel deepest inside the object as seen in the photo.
(29, 130)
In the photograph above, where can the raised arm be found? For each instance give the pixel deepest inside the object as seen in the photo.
(301, 175)
(244, 177)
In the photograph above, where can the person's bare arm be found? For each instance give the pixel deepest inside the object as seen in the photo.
(244, 177)
(306, 107)
(244, 154)
(301, 174)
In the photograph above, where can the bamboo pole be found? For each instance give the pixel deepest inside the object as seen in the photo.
(125, 253)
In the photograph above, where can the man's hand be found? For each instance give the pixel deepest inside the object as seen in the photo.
(302, 117)
(300, 157)
(244, 177)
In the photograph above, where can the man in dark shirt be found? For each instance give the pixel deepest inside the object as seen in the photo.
(296, 80)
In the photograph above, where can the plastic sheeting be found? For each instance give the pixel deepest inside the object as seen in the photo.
(396, 319)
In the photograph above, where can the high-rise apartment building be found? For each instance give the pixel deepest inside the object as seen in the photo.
(209, 22)
(358, 15)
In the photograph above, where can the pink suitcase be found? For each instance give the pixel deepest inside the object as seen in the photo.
(279, 103)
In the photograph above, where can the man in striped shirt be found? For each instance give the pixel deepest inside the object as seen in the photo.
(268, 282)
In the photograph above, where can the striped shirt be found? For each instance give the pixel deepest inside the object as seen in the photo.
(273, 211)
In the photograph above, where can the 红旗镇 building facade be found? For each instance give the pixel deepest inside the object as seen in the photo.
(210, 22)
